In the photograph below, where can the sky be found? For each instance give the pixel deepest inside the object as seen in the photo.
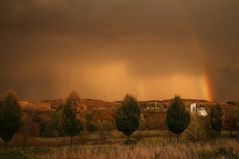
(152, 49)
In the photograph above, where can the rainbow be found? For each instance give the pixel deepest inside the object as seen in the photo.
(204, 81)
(205, 85)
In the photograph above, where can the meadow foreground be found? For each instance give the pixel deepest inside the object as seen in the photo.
(151, 148)
(227, 149)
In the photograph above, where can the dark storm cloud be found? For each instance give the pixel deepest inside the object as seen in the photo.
(100, 23)
(152, 37)
(91, 17)
(216, 25)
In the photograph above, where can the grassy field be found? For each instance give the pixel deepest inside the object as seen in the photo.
(151, 145)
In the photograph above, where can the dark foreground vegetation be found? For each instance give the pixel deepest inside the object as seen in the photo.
(71, 134)
(152, 145)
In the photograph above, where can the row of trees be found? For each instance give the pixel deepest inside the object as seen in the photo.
(11, 117)
(178, 117)
(127, 117)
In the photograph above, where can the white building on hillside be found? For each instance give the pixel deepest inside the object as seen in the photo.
(193, 107)
(200, 110)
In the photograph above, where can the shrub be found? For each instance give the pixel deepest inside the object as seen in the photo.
(36, 118)
(198, 128)
(105, 127)
(28, 132)
(232, 119)
(90, 126)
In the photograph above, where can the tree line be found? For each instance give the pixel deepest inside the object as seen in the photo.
(127, 117)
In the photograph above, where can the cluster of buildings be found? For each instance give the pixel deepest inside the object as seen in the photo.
(200, 110)
(195, 106)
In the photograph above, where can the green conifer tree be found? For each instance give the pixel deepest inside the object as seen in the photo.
(128, 116)
(70, 124)
(216, 118)
(178, 118)
(10, 117)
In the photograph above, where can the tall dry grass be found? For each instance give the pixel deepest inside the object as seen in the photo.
(221, 149)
